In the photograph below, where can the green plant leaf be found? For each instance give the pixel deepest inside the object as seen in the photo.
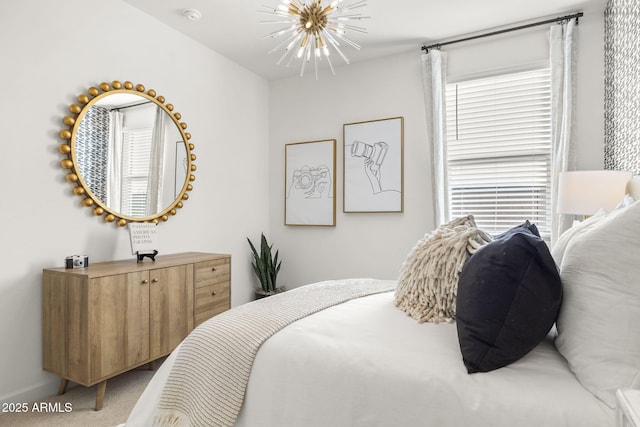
(264, 265)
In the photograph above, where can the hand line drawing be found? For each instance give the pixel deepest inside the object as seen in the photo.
(373, 173)
(373, 156)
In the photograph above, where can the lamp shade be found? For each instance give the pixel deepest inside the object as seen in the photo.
(585, 192)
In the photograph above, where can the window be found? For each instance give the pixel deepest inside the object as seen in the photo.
(136, 147)
(499, 150)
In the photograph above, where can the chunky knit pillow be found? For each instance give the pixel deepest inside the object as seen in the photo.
(428, 279)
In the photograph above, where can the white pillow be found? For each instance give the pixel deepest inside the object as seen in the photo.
(627, 200)
(561, 244)
(599, 320)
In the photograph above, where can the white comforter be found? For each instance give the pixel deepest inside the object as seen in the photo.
(365, 363)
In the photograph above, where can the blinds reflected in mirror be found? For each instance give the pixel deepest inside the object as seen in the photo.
(136, 162)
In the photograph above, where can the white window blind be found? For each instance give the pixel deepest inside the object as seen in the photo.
(499, 150)
(136, 159)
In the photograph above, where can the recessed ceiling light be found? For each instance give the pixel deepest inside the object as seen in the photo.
(192, 14)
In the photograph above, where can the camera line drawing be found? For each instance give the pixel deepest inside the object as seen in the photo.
(310, 183)
(373, 162)
(373, 156)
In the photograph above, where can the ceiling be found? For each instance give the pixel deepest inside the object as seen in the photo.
(233, 28)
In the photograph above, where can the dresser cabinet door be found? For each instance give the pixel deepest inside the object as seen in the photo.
(118, 321)
(171, 302)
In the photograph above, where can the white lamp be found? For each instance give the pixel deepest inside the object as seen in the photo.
(585, 192)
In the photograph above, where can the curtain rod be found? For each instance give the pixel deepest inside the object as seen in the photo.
(506, 30)
(130, 106)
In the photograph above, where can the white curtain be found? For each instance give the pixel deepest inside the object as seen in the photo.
(433, 74)
(114, 182)
(156, 167)
(562, 40)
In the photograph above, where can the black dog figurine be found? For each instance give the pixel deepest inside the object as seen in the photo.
(151, 255)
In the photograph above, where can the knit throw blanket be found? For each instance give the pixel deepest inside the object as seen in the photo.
(428, 280)
(207, 383)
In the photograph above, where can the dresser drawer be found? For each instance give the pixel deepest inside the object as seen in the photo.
(208, 273)
(211, 300)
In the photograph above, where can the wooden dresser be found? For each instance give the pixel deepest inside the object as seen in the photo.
(111, 317)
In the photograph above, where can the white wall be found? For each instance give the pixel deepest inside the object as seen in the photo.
(52, 51)
(303, 109)
(375, 245)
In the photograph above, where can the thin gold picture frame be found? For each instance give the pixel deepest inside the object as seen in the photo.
(373, 166)
(310, 183)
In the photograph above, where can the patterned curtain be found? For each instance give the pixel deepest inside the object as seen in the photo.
(622, 86)
(92, 148)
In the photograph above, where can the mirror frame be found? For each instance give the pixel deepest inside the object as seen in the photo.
(67, 148)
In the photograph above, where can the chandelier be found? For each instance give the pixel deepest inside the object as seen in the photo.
(311, 29)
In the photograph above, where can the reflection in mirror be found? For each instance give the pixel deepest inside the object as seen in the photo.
(128, 154)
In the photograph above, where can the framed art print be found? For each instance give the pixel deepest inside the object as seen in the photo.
(373, 166)
(310, 184)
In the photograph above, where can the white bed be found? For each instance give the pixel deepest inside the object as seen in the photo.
(366, 363)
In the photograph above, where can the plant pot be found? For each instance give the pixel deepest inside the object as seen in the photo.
(261, 293)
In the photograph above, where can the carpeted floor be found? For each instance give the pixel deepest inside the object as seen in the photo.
(122, 393)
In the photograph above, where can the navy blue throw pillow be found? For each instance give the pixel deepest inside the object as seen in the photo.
(509, 294)
(525, 227)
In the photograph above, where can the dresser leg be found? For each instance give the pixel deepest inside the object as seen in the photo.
(63, 386)
(102, 388)
(153, 365)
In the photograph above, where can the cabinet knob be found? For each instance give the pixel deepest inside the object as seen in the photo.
(213, 293)
(213, 269)
(144, 282)
(154, 280)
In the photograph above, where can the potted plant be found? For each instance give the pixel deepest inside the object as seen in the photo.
(266, 268)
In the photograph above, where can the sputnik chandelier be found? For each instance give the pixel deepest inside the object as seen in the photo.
(311, 29)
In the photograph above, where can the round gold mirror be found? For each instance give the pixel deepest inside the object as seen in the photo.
(127, 153)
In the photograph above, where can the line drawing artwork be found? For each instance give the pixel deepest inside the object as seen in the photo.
(373, 166)
(310, 183)
(373, 156)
